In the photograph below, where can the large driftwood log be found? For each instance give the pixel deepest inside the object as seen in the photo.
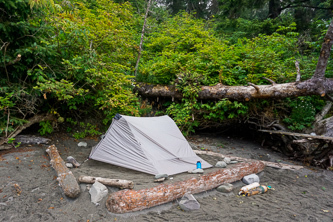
(267, 163)
(122, 184)
(132, 200)
(66, 178)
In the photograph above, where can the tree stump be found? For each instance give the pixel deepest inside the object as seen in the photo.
(66, 178)
(132, 200)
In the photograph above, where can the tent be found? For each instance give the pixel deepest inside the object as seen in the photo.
(153, 145)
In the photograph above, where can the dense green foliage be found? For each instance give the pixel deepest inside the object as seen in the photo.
(78, 58)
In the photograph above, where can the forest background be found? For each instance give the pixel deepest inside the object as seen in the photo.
(78, 59)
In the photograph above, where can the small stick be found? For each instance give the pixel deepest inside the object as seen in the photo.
(269, 80)
(298, 77)
(255, 86)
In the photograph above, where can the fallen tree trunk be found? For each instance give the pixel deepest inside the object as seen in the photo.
(131, 200)
(66, 178)
(31, 121)
(267, 163)
(122, 184)
(243, 93)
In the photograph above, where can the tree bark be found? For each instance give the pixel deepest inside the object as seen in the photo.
(244, 93)
(131, 200)
(141, 41)
(66, 178)
(122, 184)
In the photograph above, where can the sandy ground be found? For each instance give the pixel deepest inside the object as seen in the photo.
(29, 190)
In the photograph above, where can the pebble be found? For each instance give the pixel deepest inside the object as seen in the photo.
(196, 171)
(84, 144)
(160, 179)
(233, 161)
(33, 190)
(225, 188)
(69, 165)
(164, 175)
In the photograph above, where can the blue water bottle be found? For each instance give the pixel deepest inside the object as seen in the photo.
(199, 165)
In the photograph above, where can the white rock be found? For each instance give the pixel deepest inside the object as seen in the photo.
(251, 179)
(188, 203)
(225, 188)
(97, 192)
(221, 164)
(227, 160)
(69, 165)
(82, 144)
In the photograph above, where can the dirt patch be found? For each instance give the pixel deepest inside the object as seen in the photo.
(29, 190)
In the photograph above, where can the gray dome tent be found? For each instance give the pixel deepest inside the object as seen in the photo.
(153, 145)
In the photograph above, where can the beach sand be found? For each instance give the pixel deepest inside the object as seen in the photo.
(29, 190)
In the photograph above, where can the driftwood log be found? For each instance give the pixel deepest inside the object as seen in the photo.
(66, 178)
(267, 163)
(132, 200)
(122, 184)
(18, 130)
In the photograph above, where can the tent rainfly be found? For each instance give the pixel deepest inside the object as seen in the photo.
(153, 145)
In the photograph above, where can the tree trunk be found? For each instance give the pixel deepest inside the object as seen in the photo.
(131, 200)
(66, 178)
(274, 9)
(141, 41)
(122, 184)
(31, 121)
(244, 93)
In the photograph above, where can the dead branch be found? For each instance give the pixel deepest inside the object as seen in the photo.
(323, 112)
(255, 86)
(298, 134)
(122, 184)
(17, 59)
(324, 54)
(298, 78)
(269, 80)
